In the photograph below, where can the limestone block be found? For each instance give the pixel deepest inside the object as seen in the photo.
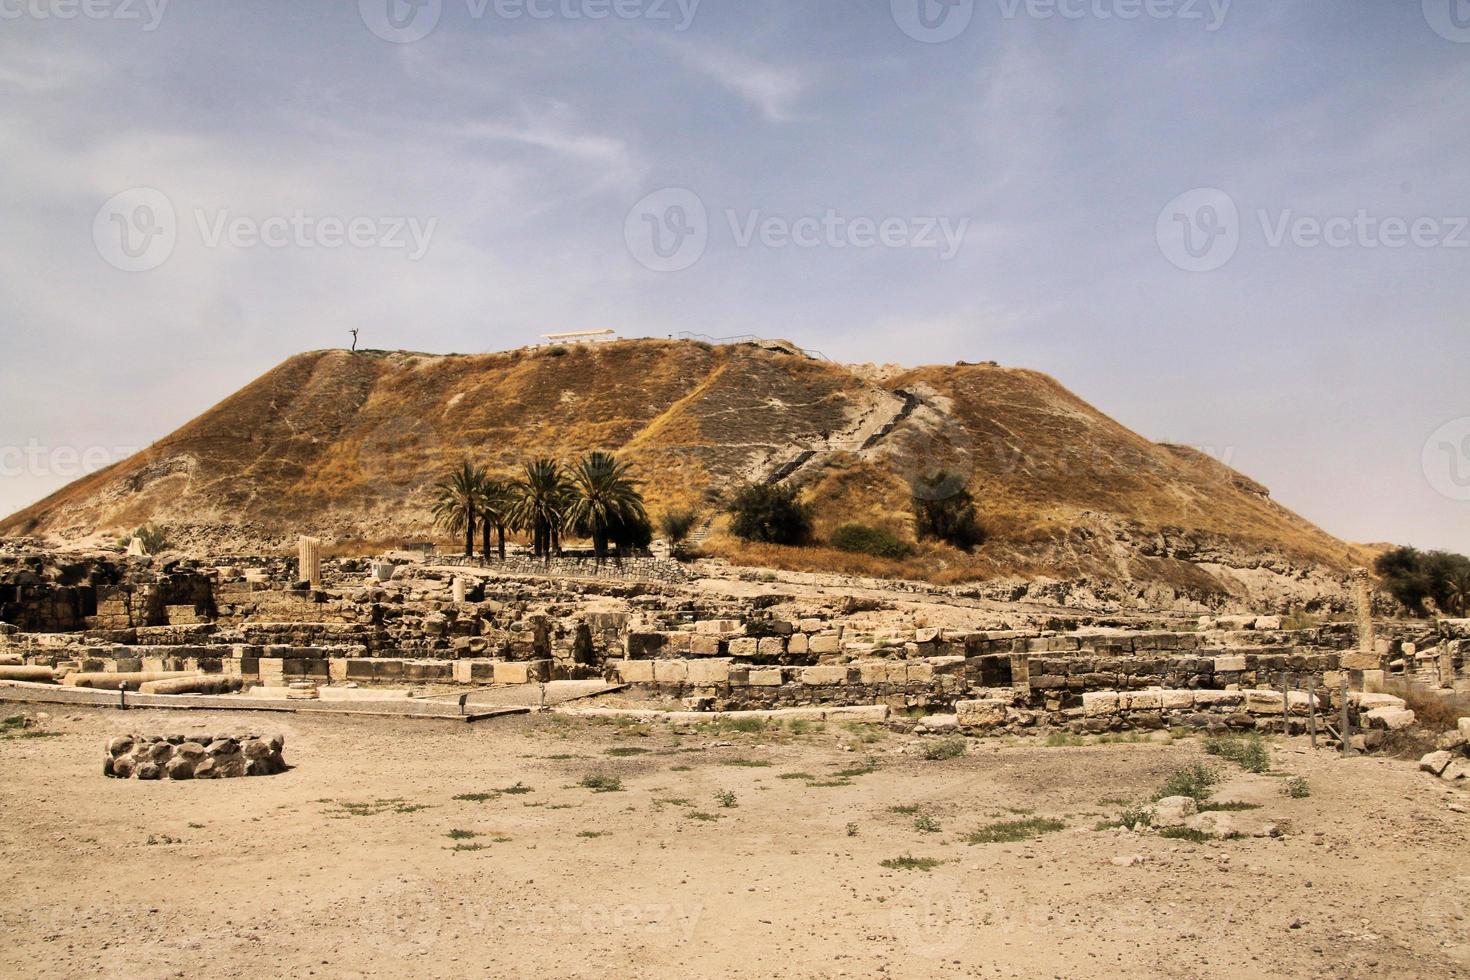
(706, 673)
(1361, 661)
(1176, 700)
(670, 672)
(1464, 726)
(919, 673)
(1267, 623)
(717, 626)
(678, 643)
(811, 625)
(926, 634)
(1229, 663)
(985, 713)
(872, 672)
(1435, 762)
(742, 646)
(634, 671)
(771, 646)
(1144, 701)
(825, 643)
(1390, 719)
(1172, 811)
(1263, 702)
(521, 671)
(704, 645)
(824, 675)
(798, 643)
(1100, 704)
(770, 677)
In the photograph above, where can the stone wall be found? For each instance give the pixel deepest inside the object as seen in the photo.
(191, 757)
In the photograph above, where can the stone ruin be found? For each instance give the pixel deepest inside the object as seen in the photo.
(244, 621)
(191, 757)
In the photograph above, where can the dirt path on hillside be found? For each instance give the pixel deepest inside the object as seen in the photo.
(346, 865)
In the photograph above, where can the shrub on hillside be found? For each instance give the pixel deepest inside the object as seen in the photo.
(771, 514)
(1412, 576)
(676, 525)
(865, 540)
(946, 514)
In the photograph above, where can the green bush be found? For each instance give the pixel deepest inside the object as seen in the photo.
(1195, 781)
(944, 748)
(676, 525)
(946, 514)
(770, 514)
(1413, 576)
(1250, 753)
(867, 540)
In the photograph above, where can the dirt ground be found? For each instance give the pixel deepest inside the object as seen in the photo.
(359, 860)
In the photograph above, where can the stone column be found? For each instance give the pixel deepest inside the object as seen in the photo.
(310, 561)
(459, 590)
(1363, 596)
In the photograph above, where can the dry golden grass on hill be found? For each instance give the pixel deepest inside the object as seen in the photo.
(348, 445)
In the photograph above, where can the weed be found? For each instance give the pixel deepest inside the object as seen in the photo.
(1297, 788)
(748, 763)
(926, 824)
(163, 839)
(1230, 806)
(910, 863)
(517, 789)
(863, 770)
(472, 847)
(681, 768)
(601, 783)
(1194, 781)
(852, 830)
(796, 775)
(827, 783)
(591, 834)
(1064, 739)
(375, 807)
(1013, 831)
(1250, 753)
(907, 808)
(476, 797)
(700, 815)
(626, 750)
(461, 834)
(726, 799)
(1184, 833)
(944, 748)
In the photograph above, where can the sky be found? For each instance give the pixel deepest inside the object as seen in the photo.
(1236, 225)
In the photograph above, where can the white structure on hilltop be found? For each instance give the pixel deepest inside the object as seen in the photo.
(580, 336)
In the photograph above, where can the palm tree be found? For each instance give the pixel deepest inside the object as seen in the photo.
(495, 504)
(456, 501)
(540, 504)
(1458, 591)
(603, 497)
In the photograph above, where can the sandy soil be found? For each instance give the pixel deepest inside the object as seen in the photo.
(274, 876)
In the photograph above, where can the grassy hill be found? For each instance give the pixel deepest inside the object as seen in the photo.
(346, 446)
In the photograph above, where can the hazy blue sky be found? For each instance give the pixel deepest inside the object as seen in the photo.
(517, 139)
